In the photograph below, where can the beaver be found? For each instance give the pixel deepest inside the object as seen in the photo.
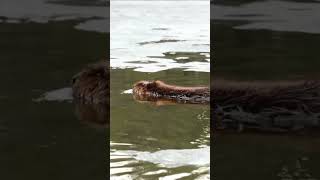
(265, 106)
(90, 90)
(91, 85)
(157, 90)
(257, 96)
(286, 106)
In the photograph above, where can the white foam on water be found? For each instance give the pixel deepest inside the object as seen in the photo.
(120, 170)
(129, 91)
(182, 58)
(175, 176)
(203, 177)
(121, 163)
(127, 162)
(122, 177)
(119, 144)
(172, 158)
(161, 171)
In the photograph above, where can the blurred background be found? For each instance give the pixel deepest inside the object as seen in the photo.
(43, 44)
(274, 41)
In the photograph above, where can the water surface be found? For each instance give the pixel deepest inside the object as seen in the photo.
(149, 41)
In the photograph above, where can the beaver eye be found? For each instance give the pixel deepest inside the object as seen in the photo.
(149, 85)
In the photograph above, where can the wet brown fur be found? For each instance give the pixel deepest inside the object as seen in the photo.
(256, 96)
(149, 90)
(91, 85)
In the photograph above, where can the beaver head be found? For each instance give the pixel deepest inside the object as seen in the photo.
(91, 85)
(144, 88)
(149, 90)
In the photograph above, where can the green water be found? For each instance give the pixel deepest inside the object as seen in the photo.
(148, 127)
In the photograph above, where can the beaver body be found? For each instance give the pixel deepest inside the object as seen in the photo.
(256, 97)
(158, 90)
(267, 106)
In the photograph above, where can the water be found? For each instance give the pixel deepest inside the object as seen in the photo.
(266, 40)
(159, 40)
(39, 57)
(47, 139)
(273, 15)
(180, 35)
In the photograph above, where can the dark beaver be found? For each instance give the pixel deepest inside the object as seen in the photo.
(155, 90)
(267, 106)
(257, 96)
(91, 85)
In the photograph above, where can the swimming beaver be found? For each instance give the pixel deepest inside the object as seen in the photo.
(267, 106)
(91, 94)
(263, 106)
(271, 107)
(91, 85)
(155, 90)
(257, 96)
